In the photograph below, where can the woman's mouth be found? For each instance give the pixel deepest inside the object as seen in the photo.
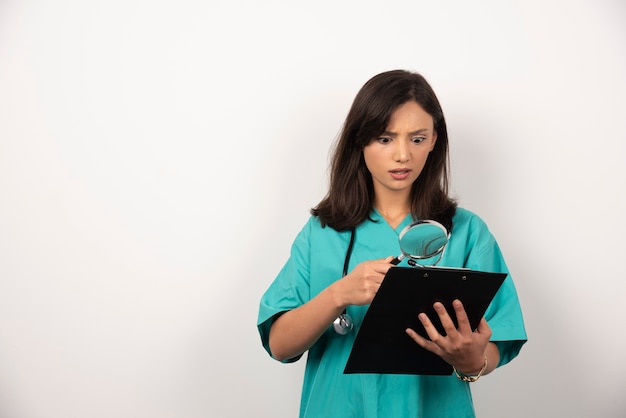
(400, 174)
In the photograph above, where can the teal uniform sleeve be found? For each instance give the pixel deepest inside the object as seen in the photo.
(289, 290)
(504, 314)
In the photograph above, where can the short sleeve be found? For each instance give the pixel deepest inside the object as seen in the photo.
(290, 289)
(504, 314)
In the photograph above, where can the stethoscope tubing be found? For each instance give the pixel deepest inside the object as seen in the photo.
(343, 324)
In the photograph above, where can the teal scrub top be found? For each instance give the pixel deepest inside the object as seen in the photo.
(316, 261)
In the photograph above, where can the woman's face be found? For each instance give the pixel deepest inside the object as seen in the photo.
(396, 158)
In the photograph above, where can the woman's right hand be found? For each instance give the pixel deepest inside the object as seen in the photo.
(296, 330)
(360, 285)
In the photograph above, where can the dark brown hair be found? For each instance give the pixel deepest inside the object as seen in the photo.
(351, 193)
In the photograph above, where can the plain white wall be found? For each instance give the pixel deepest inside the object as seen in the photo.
(157, 159)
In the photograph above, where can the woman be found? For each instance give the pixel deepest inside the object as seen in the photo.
(390, 167)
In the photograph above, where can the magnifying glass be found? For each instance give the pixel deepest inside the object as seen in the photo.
(422, 240)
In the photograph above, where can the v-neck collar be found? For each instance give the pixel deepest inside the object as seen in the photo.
(405, 222)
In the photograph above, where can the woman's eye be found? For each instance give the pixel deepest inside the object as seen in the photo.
(418, 140)
(384, 140)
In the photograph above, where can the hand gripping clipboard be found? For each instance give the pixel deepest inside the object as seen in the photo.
(382, 345)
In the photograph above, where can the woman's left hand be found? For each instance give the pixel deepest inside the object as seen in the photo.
(461, 346)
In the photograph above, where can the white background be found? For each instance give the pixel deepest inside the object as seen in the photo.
(158, 158)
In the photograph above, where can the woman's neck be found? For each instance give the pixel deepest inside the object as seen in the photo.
(393, 212)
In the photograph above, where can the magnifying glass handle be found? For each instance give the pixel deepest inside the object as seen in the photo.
(397, 260)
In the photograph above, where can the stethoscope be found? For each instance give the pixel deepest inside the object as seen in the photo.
(343, 324)
(422, 239)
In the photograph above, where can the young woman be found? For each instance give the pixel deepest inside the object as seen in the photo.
(390, 167)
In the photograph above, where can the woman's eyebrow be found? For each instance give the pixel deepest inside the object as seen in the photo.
(418, 132)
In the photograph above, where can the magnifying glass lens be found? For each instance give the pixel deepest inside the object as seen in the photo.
(422, 240)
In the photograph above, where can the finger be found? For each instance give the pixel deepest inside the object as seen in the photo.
(382, 267)
(444, 318)
(416, 337)
(483, 327)
(461, 317)
(423, 342)
(431, 330)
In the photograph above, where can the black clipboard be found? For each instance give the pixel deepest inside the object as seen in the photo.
(382, 345)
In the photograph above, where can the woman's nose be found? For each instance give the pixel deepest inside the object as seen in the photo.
(401, 152)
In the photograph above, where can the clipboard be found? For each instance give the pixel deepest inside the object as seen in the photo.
(382, 345)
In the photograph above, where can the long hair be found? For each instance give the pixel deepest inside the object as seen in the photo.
(351, 191)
